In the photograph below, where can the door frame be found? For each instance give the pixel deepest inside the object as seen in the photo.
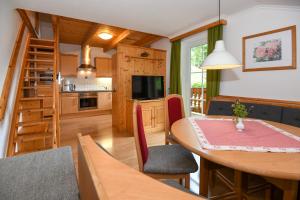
(185, 70)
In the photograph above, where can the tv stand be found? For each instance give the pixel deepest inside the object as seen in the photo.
(153, 112)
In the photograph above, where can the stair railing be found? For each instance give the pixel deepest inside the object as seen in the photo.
(13, 128)
(56, 103)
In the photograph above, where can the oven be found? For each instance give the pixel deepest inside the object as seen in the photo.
(88, 100)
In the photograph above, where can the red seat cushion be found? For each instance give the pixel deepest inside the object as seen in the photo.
(174, 108)
(141, 134)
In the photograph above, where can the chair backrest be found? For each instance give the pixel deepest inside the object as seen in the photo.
(139, 135)
(174, 110)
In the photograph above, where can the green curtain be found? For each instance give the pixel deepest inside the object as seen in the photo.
(213, 77)
(175, 81)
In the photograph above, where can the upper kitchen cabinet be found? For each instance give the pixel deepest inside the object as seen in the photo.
(103, 67)
(68, 64)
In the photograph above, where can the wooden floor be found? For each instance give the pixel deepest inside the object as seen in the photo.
(120, 145)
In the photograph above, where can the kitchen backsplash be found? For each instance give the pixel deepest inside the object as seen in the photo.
(91, 84)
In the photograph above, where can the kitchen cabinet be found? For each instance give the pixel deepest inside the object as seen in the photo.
(68, 64)
(103, 67)
(104, 100)
(69, 103)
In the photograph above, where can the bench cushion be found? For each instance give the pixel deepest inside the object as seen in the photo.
(170, 159)
(291, 116)
(43, 175)
(264, 112)
(220, 108)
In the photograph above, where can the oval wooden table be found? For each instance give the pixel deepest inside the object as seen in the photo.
(281, 169)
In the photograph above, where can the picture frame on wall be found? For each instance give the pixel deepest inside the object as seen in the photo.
(272, 50)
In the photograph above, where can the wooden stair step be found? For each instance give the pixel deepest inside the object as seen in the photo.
(46, 42)
(37, 96)
(39, 69)
(29, 138)
(31, 98)
(35, 109)
(41, 46)
(33, 123)
(33, 134)
(41, 53)
(39, 78)
(41, 60)
(36, 87)
(41, 40)
(31, 151)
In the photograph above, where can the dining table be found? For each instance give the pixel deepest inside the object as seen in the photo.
(279, 168)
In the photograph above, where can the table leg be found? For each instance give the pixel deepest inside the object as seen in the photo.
(240, 184)
(203, 185)
(289, 187)
(290, 193)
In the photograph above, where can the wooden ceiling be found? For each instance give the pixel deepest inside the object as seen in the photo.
(74, 31)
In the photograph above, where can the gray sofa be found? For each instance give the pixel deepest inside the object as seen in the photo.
(42, 175)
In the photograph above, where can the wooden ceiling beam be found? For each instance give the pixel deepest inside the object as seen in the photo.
(118, 39)
(200, 29)
(147, 40)
(90, 34)
(27, 22)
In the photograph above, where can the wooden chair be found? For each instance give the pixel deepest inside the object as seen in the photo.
(174, 110)
(164, 161)
(100, 176)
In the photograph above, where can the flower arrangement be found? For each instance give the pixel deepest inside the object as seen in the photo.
(239, 110)
(269, 50)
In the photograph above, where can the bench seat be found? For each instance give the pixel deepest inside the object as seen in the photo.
(44, 175)
(275, 113)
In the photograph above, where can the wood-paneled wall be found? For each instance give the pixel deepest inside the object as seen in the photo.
(126, 63)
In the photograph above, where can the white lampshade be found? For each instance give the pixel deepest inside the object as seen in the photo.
(220, 58)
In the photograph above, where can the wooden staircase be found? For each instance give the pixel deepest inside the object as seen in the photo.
(36, 117)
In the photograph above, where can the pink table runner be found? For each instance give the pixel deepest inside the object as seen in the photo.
(259, 136)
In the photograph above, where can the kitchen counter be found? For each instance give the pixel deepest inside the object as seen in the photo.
(81, 91)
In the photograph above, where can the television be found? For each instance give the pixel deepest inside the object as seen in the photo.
(147, 87)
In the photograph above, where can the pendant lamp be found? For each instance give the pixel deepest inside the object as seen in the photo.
(220, 58)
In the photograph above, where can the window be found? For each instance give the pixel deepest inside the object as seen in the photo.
(198, 78)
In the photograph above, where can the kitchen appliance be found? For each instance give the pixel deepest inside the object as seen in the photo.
(68, 86)
(147, 87)
(88, 100)
(86, 70)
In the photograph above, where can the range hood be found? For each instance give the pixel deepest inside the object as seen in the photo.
(86, 70)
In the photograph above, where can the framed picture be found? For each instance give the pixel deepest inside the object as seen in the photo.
(272, 50)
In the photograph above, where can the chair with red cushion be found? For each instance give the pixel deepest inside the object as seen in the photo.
(174, 111)
(164, 161)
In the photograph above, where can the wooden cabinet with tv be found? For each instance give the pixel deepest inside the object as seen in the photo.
(137, 61)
